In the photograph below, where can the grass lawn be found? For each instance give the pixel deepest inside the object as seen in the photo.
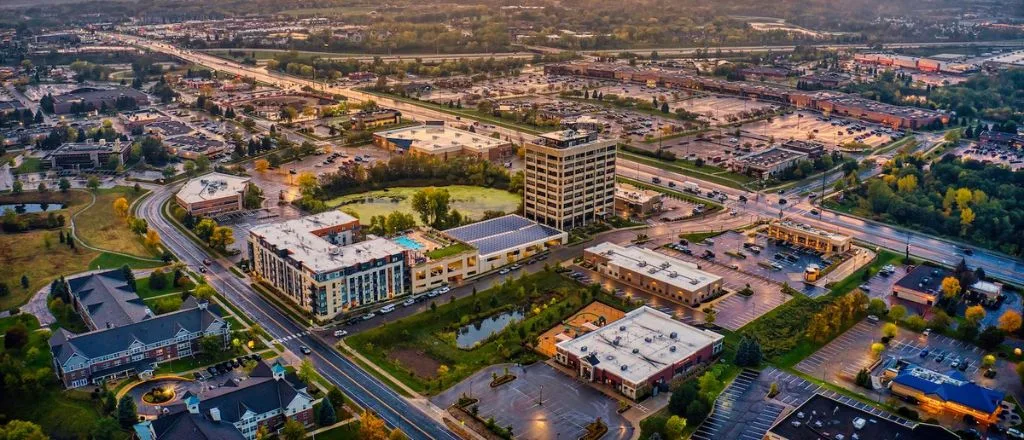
(470, 113)
(62, 414)
(29, 321)
(697, 237)
(29, 165)
(107, 260)
(710, 173)
(100, 227)
(144, 291)
(471, 201)
(412, 349)
(448, 251)
(349, 431)
(27, 253)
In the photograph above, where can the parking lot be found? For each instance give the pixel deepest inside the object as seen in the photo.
(1013, 159)
(541, 403)
(804, 124)
(795, 390)
(840, 360)
(758, 257)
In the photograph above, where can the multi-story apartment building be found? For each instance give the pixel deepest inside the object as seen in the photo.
(136, 348)
(213, 193)
(316, 263)
(235, 410)
(569, 179)
(105, 300)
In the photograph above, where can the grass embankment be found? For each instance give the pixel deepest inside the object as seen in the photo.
(707, 173)
(99, 227)
(469, 113)
(415, 348)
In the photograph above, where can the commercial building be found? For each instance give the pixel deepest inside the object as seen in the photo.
(653, 272)
(989, 138)
(950, 393)
(642, 350)
(821, 417)
(105, 300)
(989, 292)
(812, 149)
(636, 202)
(569, 179)
(438, 259)
(316, 263)
(829, 102)
(191, 147)
(442, 142)
(377, 118)
(141, 118)
(799, 234)
(88, 100)
(767, 163)
(506, 240)
(828, 80)
(88, 155)
(922, 285)
(235, 409)
(134, 348)
(213, 193)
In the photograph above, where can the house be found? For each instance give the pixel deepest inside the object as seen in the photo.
(235, 409)
(135, 348)
(105, 300)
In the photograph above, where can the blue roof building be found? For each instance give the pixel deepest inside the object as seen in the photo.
(945, 393)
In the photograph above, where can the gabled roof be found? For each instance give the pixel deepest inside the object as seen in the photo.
(952, 387)
(185, 425)
(102, 342)
(108, 299)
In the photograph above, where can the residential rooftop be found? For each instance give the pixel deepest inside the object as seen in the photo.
(640, 344)
(306, 241)
(108, 300)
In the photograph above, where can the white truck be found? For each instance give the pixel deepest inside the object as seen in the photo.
(691, 187)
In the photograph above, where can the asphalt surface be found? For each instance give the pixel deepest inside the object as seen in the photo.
(366, 390)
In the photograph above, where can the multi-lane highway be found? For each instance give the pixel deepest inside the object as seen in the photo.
(364, 389)
(940, 250)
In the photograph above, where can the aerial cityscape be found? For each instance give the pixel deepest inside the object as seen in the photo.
(480, 220)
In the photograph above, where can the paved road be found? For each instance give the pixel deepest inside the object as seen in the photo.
(939, 250)
(385, 57)
(789, 48)
(363, 388)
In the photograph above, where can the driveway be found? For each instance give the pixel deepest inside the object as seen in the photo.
(542, 403)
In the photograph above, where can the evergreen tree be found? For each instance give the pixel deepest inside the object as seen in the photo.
(327, 416)
(129, 277)
(127, 413)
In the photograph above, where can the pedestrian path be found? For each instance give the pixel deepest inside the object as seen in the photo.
(290, 337)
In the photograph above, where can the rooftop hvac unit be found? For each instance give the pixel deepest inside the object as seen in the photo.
(673, 335)
(623, 368)
(672, 349)
(694, 282)
(636, 350)
(665, 265)
(641, 263)
(648, 339)
(583, 348)
(622, 328)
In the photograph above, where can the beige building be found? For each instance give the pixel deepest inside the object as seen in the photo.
(800, 234)
(631, 201)
(438, 259)
(569, 179)
(213, 193)
(654, 272)
(442, 142)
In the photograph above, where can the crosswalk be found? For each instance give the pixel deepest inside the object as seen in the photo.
(290, 337)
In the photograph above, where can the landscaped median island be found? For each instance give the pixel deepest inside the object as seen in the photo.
(423, 350)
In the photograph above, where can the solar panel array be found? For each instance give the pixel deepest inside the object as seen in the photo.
(494, 235)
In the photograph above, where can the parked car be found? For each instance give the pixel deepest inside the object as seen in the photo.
(369, 316)
(409, 302)
(872, 318)
(340, 333)
(990, 373)
(924, 353)
(504, 271)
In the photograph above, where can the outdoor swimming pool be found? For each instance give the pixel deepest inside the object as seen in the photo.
(408, 243)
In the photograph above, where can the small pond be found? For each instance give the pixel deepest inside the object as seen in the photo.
(471, 334)
(22, 208)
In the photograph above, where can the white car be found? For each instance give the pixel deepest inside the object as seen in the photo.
(444, 289)
(340, 333)
(409, 302)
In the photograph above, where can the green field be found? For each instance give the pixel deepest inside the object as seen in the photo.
(471, 201)
(100, 227)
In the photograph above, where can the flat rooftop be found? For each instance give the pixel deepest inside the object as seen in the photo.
(440, 139)
(635, 195)
(503, 233)
(212, 186)
(640, 344)
(771, 157)
(800, 227)
(822, 418)
(677, 273)
(301, 239)
(924, 278)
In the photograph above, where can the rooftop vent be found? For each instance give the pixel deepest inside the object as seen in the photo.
(583, 348)
(623, 368)
(647, 340)
(636, 350)
(672, 349)
(673, 335)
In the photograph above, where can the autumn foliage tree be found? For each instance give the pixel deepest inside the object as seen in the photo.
(1010, 321)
